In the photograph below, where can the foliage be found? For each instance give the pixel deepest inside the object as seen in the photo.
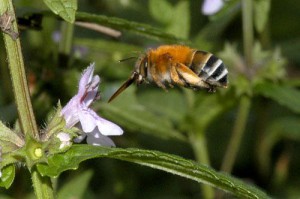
(250, 129)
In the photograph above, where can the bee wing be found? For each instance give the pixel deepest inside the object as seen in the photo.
(128, 82)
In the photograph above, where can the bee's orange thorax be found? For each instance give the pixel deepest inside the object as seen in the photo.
(175, 54)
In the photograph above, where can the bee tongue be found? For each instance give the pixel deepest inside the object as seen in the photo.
(128, 82)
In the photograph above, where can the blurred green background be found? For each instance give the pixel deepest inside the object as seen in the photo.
(265, 95)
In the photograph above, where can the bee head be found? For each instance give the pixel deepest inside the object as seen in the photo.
(140, 71)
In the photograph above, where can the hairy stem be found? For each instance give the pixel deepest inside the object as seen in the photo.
(42, 185)
(17, 71)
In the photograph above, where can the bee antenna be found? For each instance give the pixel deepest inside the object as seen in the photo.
(126, 59)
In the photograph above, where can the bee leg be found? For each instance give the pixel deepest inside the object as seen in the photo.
(156, 78)
(175, 77)
(190, 77)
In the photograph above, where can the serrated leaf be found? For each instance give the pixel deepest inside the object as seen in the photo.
(66, 9)
(261, 14)
(122, 24)
(284, 95)
(8, 176)
(161, 10)
(76, 187)
(154, 159)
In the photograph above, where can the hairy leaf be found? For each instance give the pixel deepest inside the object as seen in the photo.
(154, 159)
(8, 176)
(122, 24)
(65, 9)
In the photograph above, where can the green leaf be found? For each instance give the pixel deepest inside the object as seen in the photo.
(154, 159)
(8, 176)
(161, 10)
(122, 24)
(64, 8)
(284, 95)
(76, 187)
(129, 113)
(287, 127)
(171, 104)
(9, 140)
(261, 14)
(180, 23)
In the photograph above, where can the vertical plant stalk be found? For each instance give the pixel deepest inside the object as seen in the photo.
(41, 185)
(247, 19)
(198, 142)
(237, 134)
(65, 46)
(245, 101)
(18, 75)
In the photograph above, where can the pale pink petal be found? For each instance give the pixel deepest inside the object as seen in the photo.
(108, 128)
(210, 7)
(85, 79)
(87, 120)
(92, 91)
(99, 140)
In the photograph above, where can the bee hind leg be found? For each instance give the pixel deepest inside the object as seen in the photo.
(189, 77)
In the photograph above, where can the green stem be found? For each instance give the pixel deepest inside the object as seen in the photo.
(28, 125)
(18, 75)
(198, 142)
(247, 14)
(237, 134)
(65, 46)
(43, 186)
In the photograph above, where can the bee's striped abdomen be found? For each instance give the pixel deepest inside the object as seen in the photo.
(210, 68)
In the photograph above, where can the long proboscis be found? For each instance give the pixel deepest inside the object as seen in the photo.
(122, 88)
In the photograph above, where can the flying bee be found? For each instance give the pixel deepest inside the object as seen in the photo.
(170, 65)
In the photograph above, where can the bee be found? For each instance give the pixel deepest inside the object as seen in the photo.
(170, 65)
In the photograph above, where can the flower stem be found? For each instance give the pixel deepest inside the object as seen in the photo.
(65, 46)
(198, 142)
(18, 75)
(43, 186)
(245, 101)
(247, 14)
(237, 134)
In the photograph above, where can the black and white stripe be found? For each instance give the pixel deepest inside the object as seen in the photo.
(214, 72)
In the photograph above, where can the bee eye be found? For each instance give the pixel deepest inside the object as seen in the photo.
(146, 64)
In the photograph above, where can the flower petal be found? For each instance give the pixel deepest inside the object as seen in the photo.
(92, 91)
(210, 7)
(85, 79)
(87, 120)
(99, 140)
(108, 128)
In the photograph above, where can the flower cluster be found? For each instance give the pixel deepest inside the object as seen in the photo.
(77, 113)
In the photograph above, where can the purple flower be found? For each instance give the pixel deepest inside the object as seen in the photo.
(77, 112)
(211, 7)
